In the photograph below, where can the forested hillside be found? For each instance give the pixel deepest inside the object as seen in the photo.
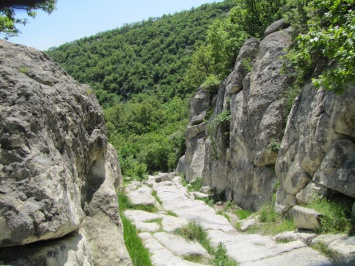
(149, 56)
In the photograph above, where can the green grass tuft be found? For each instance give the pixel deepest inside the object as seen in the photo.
(138, 253)
(336, 216)
(221, 257)
(243, 214)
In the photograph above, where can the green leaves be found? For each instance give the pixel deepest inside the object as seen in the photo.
(328, 38)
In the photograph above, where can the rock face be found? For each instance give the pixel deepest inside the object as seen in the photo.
(57, 172)
(249, 142)
(238, 155)
(317, 153)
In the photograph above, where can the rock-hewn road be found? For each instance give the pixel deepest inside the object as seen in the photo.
(169, 249)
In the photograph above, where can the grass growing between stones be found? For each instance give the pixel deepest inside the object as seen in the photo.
(124, 200)
(271, 223)
(171, 213)
(138, 253)
(194, 232)
(336, 216)
(155, 195)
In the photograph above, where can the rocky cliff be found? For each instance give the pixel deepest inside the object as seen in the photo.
(252, 142)
(58, 174)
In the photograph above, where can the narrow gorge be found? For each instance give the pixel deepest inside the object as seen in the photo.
(59, 175)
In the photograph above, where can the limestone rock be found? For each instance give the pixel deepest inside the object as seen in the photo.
(343, 250)
(340, 247)
(305, 218)
(57, 171)
(171, 223)
(199, 106)
(181, 167)
(71, 250)
(248, 222)
(205, 189)
(180, 246)
(142, 196)
(305, 237)
(246, 55)
(276, 26)
(318, 146)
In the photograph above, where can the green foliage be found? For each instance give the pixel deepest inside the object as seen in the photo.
(274, 146)
(211, 84)
(336, 215)
(155, 195)
(328, 38)
(144, 57)
(8, 18)
(271, 223)
(243, 214)
(149, 135)
(195, 185)
(138, 253)
(221, 257)
(171, 213)
(226, 36)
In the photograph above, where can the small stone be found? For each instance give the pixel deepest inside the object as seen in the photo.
(305, 218)
(205, 189)
(305, 237)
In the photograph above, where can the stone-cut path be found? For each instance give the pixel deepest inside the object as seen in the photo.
(169, 249)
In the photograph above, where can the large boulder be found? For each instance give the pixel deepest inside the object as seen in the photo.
(57, 171)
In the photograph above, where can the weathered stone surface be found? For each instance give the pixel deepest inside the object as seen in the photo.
(305, 218)
(200, 195)
(181, 246)
(337, 170)
(169, 249)
(317, 146)
(305, 237)
(205, 189)
(141, 216)
(340, 247)
(71, 250)
(246, 55)
(181, 167)
(276, 26)
(248, 222)
(199, 106)
(301, 257)
(103, 225)
(161, 256)
(56, 168)
(239, 156)
(343, 250)
(171, 223)
(142, 196)
(195, 157)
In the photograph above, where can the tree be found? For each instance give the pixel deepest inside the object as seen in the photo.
(8, 20)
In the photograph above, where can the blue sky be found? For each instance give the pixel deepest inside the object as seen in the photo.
(75, 19)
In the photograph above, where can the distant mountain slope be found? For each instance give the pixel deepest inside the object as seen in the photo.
(148, 56)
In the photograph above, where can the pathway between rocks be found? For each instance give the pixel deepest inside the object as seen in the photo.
(169, 249)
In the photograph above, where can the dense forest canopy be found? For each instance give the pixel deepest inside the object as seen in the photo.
(144, 73)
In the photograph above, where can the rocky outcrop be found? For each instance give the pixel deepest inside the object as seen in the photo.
(247, 123)
(58, 174)
(249, 142)
(317, 154)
